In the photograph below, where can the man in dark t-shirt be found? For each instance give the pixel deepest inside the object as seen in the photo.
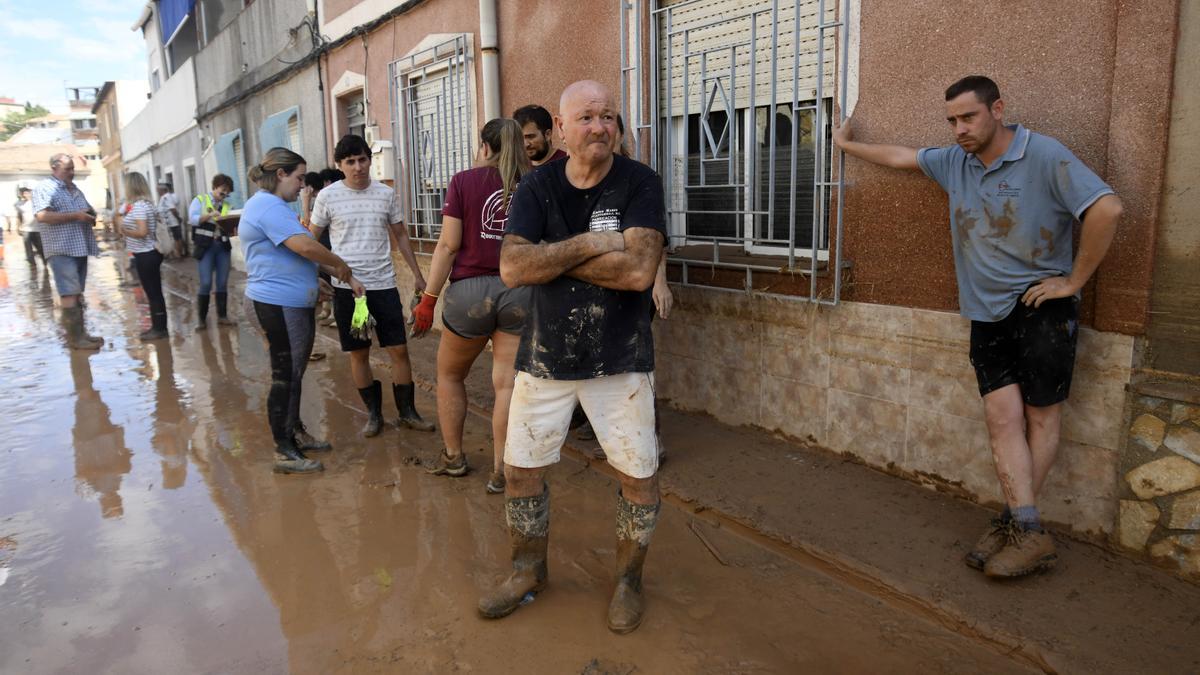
(587, 234)
(537, 129)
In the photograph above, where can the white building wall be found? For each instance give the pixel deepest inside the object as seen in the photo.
(171, 111)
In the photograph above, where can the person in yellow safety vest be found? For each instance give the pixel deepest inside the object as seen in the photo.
(211, 248)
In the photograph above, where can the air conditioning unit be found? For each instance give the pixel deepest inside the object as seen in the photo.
(371, 131)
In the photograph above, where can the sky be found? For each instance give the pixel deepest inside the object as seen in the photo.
(48, 45)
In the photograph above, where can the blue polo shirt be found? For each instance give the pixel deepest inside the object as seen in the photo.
(1011, 223)
(276, 274)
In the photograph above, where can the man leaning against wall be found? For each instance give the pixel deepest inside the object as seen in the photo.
(1014, 198)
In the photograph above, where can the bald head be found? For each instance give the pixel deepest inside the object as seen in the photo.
(587, 121)
(62, 167)
(584, 91)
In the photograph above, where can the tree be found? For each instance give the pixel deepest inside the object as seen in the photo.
(14, 122)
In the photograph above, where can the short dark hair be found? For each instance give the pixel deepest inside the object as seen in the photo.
(349, 146)
(985, 89)
(332, 175)
(536, 114)
(221, 179)
(313, 180)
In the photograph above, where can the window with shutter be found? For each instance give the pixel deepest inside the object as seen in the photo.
(743, 97)
(433, 93)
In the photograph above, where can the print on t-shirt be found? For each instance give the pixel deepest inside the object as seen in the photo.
(604, 220)
(494, 217)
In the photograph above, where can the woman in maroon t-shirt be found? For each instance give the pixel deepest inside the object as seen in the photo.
(478, 306)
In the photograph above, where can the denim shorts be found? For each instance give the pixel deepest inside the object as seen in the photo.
(69, 272)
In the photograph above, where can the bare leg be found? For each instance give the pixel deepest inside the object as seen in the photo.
(1005, 412)
(523, 482)
(640, 490)
(401, 367)
(360, 368)
(454, 359)
(1044, 425)
(504, 372)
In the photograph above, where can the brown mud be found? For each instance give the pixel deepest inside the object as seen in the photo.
(143, 531)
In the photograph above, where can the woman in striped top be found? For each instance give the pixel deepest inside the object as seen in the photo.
(139, 226)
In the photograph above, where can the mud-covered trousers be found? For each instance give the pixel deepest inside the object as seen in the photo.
(290, 333)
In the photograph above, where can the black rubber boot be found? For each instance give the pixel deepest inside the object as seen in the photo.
(635, 525)
(202, 312)
(289, 459)
(529, 527)
(405, 395)
(158, 327)
(223, 310)
(372, 397)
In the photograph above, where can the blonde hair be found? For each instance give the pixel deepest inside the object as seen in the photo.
(136, 187)
(503, 136)
(263, 174)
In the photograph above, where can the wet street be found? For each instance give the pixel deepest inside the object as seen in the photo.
(142, 530)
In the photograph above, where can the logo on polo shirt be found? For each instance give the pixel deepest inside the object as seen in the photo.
(1006, 190)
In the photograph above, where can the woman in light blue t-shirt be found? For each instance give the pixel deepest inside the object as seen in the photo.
(281, 291)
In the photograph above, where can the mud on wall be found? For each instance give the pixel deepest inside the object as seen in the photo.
(1174, 332)
(890, 386)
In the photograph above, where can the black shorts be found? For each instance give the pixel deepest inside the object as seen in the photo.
(1031, 347)
(387, 309)
(177, 232)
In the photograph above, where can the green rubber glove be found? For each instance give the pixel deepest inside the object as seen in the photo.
(361, 322)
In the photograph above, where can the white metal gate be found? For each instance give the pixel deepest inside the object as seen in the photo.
(432, 102)
(737, 101)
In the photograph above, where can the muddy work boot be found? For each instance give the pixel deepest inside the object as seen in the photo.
(635, 525)
(77, 337)
(989, 543)
(529, 527)
(405, 395)
(455, 467)
(305, 442)
(1024, 552)
(289, 459)
(372, 397)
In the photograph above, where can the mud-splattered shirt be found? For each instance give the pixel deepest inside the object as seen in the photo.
(1011, 223)
(578, 330)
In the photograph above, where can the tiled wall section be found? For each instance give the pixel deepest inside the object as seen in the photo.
(890, 385)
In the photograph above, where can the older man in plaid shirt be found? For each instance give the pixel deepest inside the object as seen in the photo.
(66, 221)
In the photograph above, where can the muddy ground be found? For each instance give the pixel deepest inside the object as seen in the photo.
(142, 530)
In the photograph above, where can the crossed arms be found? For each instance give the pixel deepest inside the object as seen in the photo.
(621, 261)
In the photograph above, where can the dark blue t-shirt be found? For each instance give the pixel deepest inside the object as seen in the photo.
(578, 330)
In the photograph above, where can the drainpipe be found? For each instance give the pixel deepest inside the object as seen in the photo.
(490, 47)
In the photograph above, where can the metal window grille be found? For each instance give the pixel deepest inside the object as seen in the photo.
(734, 111)
(432, 95)
(293, 132)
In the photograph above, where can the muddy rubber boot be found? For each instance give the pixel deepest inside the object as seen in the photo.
(99, 341)
(306, 442)
(202, 312)
(223, 310)
(529, 527)
(635, 525)
(1026, 552)
(372, 397)
(158, 328)
(989, 544)
(289, 459)
(76, 338)
(405, 395)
